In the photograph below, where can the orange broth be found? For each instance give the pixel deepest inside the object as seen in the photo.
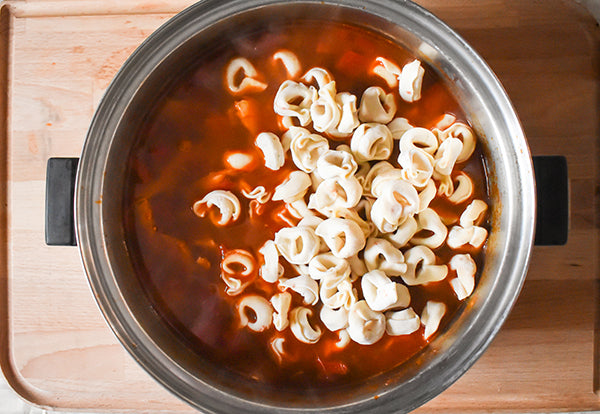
(178, 158)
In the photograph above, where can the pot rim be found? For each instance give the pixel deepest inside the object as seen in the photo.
(91, 236)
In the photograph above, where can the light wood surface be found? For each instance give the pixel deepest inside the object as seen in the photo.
(57, 58)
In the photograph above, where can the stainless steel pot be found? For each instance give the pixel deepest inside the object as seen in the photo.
(98, 209)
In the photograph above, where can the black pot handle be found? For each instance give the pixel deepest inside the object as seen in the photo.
(552, 182)
(552, 227)
(60, 196)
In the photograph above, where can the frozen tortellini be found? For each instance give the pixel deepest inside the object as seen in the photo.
(363, 194)
(371, 141)
(402, 322)
(334, 319)
(465, 268)
(430, 221)
(271, 270)
(294, 99)
(258, 193)
(387, 70)
(263, 312)
(398, 127)
(320, 76)
(417, 146)
(334, 163)
(238, 269)
(336, 193)
(404, 233)
(348, 116)
(327, 265)
(381, 293)
(271, 147)
(298, 244)
(459, 236)
(238, 160)
(337, 292)
(380, 254)
(325, 111)
(468, 232)
(399, 200)
(293, 188)
(226, 202)
(248, 83)
(305, 286)
(306, 149)
(281, 303)
(411, 80)
(343, 237)
(462, 188)
(432, 316)
(365, 326)
(447, 155)
(465, 134)
(422, 268)
(377, 106)
(301, 326)
(290, 62)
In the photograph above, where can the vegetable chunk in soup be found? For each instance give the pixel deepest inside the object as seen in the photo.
(307, 216)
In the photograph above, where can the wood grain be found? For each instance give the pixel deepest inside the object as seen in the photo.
(59, 56)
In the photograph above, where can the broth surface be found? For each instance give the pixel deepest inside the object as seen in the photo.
(178, 158)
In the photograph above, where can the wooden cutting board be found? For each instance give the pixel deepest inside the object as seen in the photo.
(57, 58)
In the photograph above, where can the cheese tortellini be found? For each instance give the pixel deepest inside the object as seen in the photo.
(421, 267)
(336, 193)
(387, 70)
(281, 304)
(298, 245)
(399, 200)
(301, 325)
(325, 111)
(343, 237)
(365, 326)
(381, 254)
(377, 106)
(290, 62)
(432, 316)
(381, 293)
(327, 265)
(238, 270)
(227, 203)
(465, 268)
(371, 141)
(249, 81)
(402, 322)
(348, 117)
(293, 188)
(271, 147)
(334, 163)
(468, 232)
(411, 80)
(361, 224)
(294, 99)
(337, 292)
(305, 286)
(334, 319)
(263, 312)
(271, 270)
